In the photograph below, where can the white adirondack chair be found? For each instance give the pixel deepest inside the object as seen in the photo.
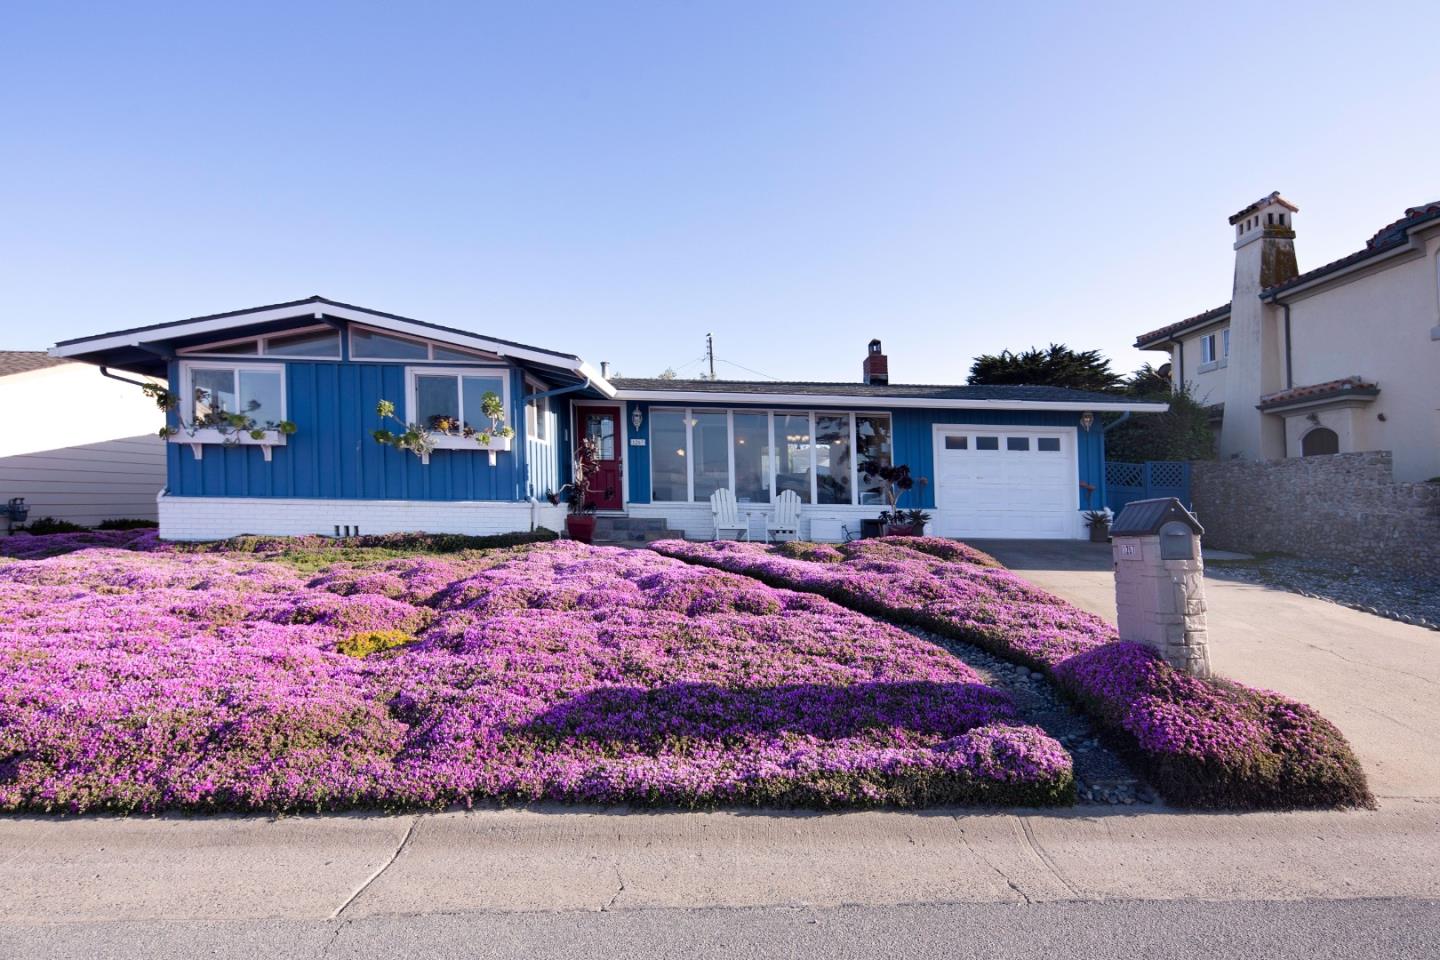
(786, 522)
(727, 515)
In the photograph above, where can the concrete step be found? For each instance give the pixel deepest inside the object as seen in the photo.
(632, 529)
(630, 524)
(643, 536)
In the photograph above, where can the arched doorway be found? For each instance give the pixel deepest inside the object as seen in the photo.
(1320, 441)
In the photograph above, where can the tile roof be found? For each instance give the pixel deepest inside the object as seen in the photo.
(763, 388)
(23, 361)
(1272, 197)
(1199, 320)
(1344, 387)
(1387, 238)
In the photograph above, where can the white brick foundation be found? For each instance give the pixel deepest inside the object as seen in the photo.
(215, 518)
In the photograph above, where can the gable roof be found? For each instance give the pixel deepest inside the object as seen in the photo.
(23, 361)
(1154, 337)
(997, 397)
(122, 345)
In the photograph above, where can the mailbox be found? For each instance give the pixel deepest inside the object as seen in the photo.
(1160, 582)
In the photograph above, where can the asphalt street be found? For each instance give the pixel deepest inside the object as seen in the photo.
(1170, 930)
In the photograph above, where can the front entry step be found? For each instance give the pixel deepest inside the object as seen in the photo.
(632, 529)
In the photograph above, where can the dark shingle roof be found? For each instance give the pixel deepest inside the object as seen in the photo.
(23, 361)
(1199, 320)
(764, 388)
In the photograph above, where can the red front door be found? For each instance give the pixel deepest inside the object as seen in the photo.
(602, 424)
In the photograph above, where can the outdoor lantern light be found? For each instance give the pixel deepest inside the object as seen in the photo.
(637, 417)
(1087, 420)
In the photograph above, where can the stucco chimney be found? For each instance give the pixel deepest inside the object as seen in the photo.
(1264, 257)
(876, 369)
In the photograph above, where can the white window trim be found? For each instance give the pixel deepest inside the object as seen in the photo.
(1207, 348)
(429, 345)
(262, 346)
(687, 417)
(542, 414)
(211, 435)
(445, 442)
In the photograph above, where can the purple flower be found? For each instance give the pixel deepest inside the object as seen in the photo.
(139, 676)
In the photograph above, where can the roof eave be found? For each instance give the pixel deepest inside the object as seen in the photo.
(86, 349)
(1156, 339)
(882, 402)
(1339, 397)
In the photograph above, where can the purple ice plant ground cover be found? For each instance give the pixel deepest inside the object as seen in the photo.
(135, 677)
(1204, 743)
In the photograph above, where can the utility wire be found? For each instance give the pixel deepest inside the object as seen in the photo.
(745, 368)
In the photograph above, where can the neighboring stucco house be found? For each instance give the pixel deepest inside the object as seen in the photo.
(77, 446)
(998, 461)
(1343, 358)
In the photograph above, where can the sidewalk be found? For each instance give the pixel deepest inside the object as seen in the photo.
(566, 859)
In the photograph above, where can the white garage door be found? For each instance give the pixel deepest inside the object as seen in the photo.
(1005, 482)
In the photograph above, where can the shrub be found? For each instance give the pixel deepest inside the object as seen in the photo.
(48, 525)
(126, 523)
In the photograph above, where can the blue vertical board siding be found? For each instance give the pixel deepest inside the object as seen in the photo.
(915, 442)
(331, 455)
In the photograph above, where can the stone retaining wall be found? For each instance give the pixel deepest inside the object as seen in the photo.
(1346, 506)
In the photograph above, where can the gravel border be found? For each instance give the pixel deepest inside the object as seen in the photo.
(1101, 776)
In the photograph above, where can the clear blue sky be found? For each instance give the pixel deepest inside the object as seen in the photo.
(618, 179)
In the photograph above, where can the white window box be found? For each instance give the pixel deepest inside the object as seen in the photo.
(446, 441)
(210, 436)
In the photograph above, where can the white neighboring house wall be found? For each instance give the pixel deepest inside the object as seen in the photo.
(79, 446)
(216, 518)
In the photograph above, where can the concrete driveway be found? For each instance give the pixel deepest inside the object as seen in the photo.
(1377, 679)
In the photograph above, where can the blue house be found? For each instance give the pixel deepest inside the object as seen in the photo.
(272, 412)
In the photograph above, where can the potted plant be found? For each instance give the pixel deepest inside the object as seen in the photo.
(580, 524)
(895, 480)
(904, 523)
(1099, 523)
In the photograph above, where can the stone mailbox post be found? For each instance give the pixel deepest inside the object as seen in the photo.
(1160, 582)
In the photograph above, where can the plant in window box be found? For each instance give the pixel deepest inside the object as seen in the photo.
(895, 481)
(232, 427)
(580, 524)
(421, 440)
(1099, 523)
